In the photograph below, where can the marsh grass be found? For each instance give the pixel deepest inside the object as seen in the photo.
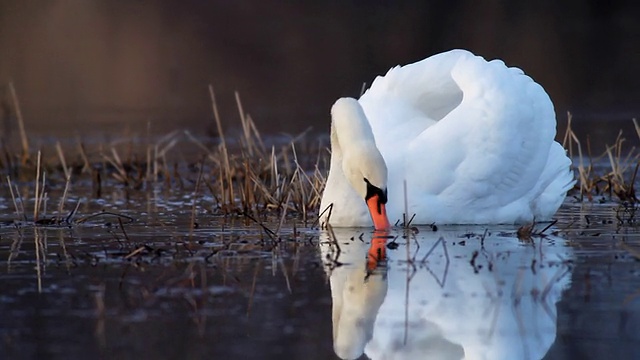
(274, 186)
(245, 177)
(615, 182)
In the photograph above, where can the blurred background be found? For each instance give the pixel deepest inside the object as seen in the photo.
(81, 66)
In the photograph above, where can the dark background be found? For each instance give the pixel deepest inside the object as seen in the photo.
(84, 66)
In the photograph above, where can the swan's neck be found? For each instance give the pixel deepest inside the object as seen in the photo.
(355, 161)
(354, 146)
(347, 207)
(337, 180)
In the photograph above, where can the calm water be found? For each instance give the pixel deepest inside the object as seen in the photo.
(228, 291)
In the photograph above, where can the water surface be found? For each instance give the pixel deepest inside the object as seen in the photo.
(155, 288)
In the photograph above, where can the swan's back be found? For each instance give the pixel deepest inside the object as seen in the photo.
(472, 138)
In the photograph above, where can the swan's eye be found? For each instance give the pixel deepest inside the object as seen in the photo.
(374, 190)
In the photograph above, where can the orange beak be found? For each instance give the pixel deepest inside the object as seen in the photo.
(378, 213)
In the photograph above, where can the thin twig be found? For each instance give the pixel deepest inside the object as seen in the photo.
(23, 133)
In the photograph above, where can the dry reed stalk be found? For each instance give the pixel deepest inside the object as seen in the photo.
(299, 168)
(620, 161)
(275, 177)
(117, 163)
(619, 166)
(223, 143)
(286, 161)
(315, 191)
(222, 201)
(568, 143)
(63, 200)
(171, 140)
(256, 133)
(198, 143)
(23, 133)
(248, 189)
(636, 127)
(245, 128)
(85, 160)
(566, 140)
(282, 218)
(159, 151)
(252, 189)
(613, 161)
(63, 162)
(35, 206)
(168, 141)
(21, 201)
(42, 197)
(317, 185)
(313, 194)
(13, 197)
(265, 192)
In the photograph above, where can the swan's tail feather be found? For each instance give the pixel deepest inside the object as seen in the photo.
(560, 180)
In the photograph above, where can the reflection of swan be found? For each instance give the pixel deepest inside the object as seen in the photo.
(357, 288)
(473, 140)
(457, 298)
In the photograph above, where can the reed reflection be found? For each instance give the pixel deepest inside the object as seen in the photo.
(457, 293)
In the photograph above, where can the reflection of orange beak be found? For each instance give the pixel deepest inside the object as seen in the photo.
(377, 253)
(378, 213)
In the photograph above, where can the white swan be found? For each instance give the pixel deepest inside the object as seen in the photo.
(474, 141)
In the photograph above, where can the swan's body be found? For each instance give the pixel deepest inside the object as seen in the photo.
(474, 141)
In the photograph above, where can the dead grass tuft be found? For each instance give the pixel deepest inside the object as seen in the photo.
(615, 182)
(244, 177)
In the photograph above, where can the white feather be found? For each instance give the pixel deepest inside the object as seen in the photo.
(474, 141)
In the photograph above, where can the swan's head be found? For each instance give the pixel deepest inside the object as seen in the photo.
(362, 163)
